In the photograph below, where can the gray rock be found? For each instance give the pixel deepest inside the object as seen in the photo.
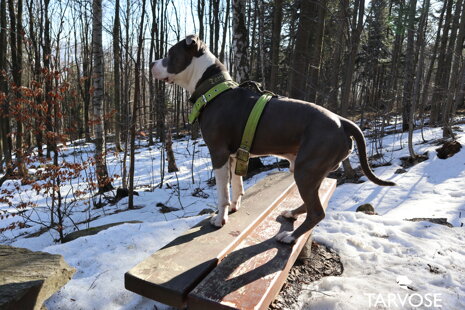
(367, 209)
(93, 231)
(439, 220)
(29, 278)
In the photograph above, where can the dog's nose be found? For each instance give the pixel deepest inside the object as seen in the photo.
(152, 64)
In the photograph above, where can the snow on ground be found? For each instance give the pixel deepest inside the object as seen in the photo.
(389, 263)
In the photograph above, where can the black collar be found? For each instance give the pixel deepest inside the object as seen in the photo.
(208, 84)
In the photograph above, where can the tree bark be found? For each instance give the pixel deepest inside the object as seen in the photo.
(420, 46)
(315, 46)
(16, 47)
(240, 42)
(135, 106)
(117, 75)
(225, 28)
(300, 61)
(454, 82)
(336, 57)
(275, 42)
(357, 27)
(441, 78)
(104, 183)
(409, 74)
(5, 109)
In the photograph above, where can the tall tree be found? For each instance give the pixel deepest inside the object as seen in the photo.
(225, 29)
(16, 46)
(4, 106)
(97, 97)
(409, 73)
(240, 42)
(315, 46)
(354, 41)
(420, 47)
(117, 74)
(275, 42)
(454, 81)
(441, 77)
(135, 106)
(300, 61)
(334, 81)
(356, 27)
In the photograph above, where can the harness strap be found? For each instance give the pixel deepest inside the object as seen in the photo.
(243, 153)
(208, 96)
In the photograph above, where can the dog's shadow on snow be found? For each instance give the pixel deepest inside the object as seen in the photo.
(238, 269)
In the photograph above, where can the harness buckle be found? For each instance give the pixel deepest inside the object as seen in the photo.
(242, 154)
(242, 161)
(204, 99)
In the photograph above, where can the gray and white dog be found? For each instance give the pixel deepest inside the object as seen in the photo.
(313, 139)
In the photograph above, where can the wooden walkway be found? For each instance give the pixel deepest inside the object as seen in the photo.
(240, 266)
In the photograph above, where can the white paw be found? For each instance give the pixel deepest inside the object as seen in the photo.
(218, 221)
(288, 214)
(285, 237)
(235, 206)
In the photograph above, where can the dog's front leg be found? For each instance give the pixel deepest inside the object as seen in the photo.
(237, 187)
(222, 187)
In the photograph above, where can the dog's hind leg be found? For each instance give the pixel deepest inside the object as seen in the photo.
(237, 187)
(308, 177)
(222, 187)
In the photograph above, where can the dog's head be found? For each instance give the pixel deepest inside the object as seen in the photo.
(180, 65)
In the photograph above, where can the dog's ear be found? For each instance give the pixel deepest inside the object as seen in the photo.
(192, 39)
(198, 46)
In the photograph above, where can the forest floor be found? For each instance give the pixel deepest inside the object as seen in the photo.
(387, 262)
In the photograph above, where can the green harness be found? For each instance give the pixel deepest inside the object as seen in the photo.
(243, 153)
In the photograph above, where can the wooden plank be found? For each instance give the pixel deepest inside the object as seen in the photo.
(251, 276)
(173, 271)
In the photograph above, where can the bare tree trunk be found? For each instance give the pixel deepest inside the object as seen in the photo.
(441, 78)
(336, 67)
(315, 46)
(409, 74)
(117, 75)
(454, 84)
(225, 28)
(4, 111)
(426, 84)
(261, 43)
(275, 42)
(300, 61)
(16, 46)
(421, 61)
(201, 13)
(240, 42)
(135, 107)
(357, 27)
(356, 31)
(97, 97)
(151, 83)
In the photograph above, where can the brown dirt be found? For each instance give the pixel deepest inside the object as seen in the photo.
(323, 262)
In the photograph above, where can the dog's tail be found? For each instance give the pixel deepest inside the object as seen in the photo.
(354, 131)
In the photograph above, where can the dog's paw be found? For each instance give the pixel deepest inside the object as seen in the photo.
(285, 237)
(235, 206)
(218, 221)
(288, 214)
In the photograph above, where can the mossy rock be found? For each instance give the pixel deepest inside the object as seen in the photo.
(367, 209)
